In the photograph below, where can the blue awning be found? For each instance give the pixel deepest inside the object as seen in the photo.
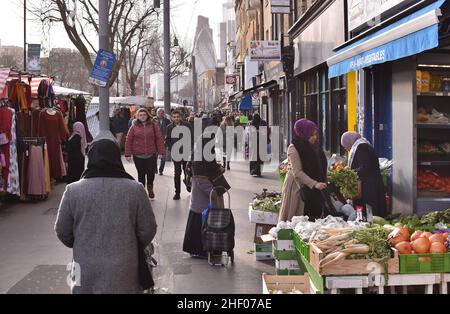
(411, 35)
(246, 103)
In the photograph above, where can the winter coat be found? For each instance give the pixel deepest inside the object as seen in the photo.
(367, 166)
(292, 204)
(103, 219)
(171, 139)
(141, 140)
(163, 125)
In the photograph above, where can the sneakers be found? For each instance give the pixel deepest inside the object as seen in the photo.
(177, 197)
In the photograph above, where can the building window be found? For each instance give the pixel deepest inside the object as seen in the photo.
(324, 101)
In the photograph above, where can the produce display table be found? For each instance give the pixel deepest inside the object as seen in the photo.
(335, 284)
(444, 284)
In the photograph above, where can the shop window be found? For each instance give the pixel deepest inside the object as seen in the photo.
(324, 101)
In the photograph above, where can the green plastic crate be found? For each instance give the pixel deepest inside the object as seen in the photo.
(301, 246)
(410, 264)
(290, 272)
(284, 255)
(263, 248)
(285, 234)
(316, 278)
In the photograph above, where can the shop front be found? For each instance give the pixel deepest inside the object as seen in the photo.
(402, 69)
(317, 96)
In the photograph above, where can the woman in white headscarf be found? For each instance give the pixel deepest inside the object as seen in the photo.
(364, 160)
(76, 149)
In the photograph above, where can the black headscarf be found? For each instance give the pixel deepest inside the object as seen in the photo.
(105, 161)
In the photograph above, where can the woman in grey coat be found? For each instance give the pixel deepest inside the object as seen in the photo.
(105, 217)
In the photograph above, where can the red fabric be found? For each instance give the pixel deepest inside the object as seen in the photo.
(54, 130)
(63, 106)
(5, 127)
(35, 122)
(141, 141)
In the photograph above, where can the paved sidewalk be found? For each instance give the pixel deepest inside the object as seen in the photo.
(33, 261)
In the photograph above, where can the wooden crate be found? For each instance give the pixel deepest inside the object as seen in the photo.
(350, 267)
(286, 283)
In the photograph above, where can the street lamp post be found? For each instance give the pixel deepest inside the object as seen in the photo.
(167, 97)
(24, 35)
(103, 12)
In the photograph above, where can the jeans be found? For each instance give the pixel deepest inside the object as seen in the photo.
(162, 164)
(180, 167)
(146, 169)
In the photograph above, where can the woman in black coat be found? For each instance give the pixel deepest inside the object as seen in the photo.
(364, 160)
(76, 150)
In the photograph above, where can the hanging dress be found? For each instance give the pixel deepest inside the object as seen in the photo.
(51, 126)
(13, 176)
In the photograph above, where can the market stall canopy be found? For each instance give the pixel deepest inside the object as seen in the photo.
(413, 34)
(63, 91)
(125, 101)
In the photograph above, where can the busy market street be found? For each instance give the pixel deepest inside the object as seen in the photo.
(218, 154)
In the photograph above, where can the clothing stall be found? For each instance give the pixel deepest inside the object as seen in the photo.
(34, 122)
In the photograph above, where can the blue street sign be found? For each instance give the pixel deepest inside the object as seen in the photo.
(101, 71)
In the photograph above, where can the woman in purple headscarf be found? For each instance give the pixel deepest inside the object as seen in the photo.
(306, 176)
(364, 159)
(76, 150)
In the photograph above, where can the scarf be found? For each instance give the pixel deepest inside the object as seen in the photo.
(313, 162)
(355, 146)
(105, 161)
(79, 129)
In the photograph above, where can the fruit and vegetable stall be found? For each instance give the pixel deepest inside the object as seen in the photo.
(397, 254)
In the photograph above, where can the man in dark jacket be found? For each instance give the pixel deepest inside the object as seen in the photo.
(171, 140)
(163, 124)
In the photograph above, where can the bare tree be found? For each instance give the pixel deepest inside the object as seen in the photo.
(10, 61)
(80, 21)
(136, 55)
(67, 66)
(179, 58)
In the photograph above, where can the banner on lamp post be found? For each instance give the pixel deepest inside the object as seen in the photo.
(34, 58)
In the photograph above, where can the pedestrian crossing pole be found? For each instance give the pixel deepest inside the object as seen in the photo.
(103, 12)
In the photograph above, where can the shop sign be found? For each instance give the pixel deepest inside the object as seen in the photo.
(369, 11)
(231, 79)
(265, 50)
(34, 58)
(102, 69)
(280, 6)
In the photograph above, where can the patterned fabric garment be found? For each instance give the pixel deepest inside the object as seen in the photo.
(13, 178)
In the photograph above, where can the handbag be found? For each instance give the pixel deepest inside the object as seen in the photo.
(221, 185)
(146, 263)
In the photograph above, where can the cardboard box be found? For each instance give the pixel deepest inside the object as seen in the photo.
(261, 230)
(260, 217)
(284, 250)
(284, 245)
(292, 264)
(263, 248)
(263, 252)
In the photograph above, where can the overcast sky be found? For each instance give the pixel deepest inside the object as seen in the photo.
(184, 20)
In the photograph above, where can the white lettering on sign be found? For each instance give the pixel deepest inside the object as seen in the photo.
(369, 59)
